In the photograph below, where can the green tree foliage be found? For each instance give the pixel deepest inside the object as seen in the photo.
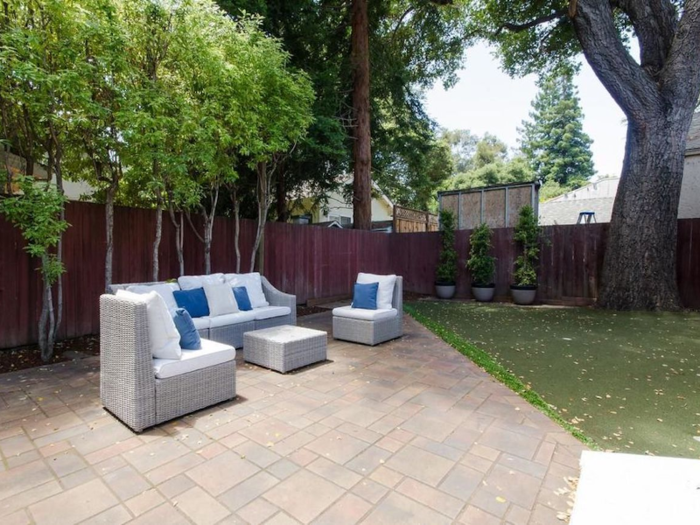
(527, 236)
(39, 87)
(447, 264)
(553, 140)
(485, 161)
(37, 212)
(657, 92)
(412, 45)
(481, 263)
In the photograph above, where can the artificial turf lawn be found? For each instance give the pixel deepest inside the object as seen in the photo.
(628, 380)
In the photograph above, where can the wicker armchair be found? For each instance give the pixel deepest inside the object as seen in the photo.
(372, 332)
(129, 388)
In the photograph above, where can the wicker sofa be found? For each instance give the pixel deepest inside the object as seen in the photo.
(229, 329)
(129, 387)
(349, 324)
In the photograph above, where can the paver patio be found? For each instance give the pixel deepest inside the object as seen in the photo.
(406, 432)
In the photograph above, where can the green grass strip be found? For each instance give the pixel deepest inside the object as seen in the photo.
(486, 362)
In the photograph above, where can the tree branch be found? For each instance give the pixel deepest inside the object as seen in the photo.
(681, 75)
(633, 89)
(516, 28)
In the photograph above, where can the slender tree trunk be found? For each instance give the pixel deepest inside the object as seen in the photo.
(59, 246)
(156, 241)
(263, 194)
(207, 245)
(179, 232)
(47, 325)
(639, 269)
(281, 197)
(42, 335)
(209, 229)
(51, 331)
(237, 230)
(109, 233)
(362, 148)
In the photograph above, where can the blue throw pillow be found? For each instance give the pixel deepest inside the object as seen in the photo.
(189, 337)
(241, 295)
(365, 296)
(194, 301)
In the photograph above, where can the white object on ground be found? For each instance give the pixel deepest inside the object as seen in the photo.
(628, 489)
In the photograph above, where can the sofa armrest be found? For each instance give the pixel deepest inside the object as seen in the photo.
(112, 288)
(277, 298)
(397, 299)
(127, 379)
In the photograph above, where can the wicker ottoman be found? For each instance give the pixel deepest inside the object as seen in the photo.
(284, 348)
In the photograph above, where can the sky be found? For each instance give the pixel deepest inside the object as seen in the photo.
(487, 100)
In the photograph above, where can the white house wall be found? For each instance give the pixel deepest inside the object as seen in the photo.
(338, 207)
(689, 205)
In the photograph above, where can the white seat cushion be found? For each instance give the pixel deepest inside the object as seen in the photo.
(220, 299)
(201, 323)
(165, 290)
(252, 284)
(212, 353)
(365, 315)
(162, 334)
(385, 294)
(268, 312)
(229, 319)
(190, 282)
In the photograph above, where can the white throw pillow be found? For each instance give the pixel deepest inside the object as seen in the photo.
(165, 290)
(385, 294)
(252, 284)
(190, 282)
(162, 334)
(220, 298)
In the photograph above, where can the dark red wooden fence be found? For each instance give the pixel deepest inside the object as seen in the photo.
(310, 262)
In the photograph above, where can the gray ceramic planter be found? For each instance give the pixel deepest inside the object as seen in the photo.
(484, 294)
(445, 291)
(523, 294)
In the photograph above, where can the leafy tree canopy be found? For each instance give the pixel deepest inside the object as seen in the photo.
(553, 140)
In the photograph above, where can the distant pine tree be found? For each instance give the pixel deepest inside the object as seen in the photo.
(553, 140)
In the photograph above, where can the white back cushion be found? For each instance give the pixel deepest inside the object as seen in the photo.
(253, 285)
(386, 287)
(220, 298)
(162, 334)
(190, 282)
(164, 290)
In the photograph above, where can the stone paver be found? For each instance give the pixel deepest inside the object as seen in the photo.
(408, 432)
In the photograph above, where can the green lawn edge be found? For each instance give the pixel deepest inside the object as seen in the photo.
(490, 365)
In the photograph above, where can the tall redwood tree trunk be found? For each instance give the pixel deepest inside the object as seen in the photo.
(362, 149)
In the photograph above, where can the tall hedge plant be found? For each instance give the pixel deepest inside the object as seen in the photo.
(447, 265)
(527, 236)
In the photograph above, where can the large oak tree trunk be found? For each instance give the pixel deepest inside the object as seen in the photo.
(658, 95)
(639, 270)
(362, 149)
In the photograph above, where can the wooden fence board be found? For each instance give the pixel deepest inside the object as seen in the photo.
(307, 261)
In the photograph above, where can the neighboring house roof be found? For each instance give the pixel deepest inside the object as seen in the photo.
(327, 224)
(597, 197)
(567, 211)
(692, 146)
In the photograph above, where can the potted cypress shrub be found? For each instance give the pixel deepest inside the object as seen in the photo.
(527, 235)
(481, 264)
(446, 274)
